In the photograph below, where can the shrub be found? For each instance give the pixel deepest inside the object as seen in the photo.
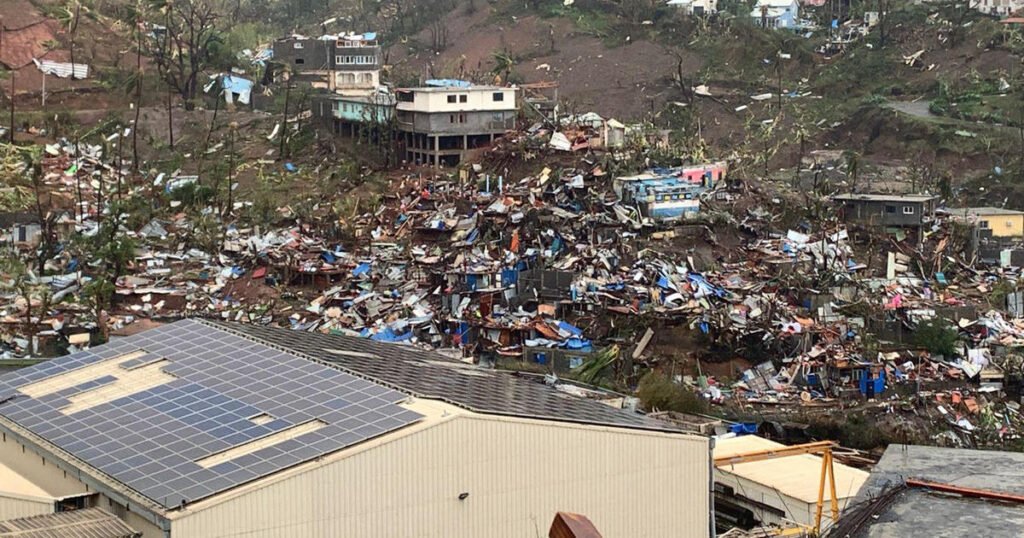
(657, 391)
(937, 336)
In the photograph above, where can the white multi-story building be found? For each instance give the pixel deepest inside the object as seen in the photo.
(444, 120)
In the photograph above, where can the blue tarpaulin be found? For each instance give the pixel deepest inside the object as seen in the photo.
(704, 287)
(509, 277)
(448, 83)
(388, 335)
(743, 428)
(361, 269)
(573, 330)
(236, 86)
(579, 344)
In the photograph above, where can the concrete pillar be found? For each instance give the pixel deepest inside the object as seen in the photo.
(437, 152)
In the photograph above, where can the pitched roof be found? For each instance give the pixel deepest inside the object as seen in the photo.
(87, 523)
(189, 410)
(427, 374)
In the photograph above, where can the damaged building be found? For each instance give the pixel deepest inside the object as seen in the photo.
(440, 124)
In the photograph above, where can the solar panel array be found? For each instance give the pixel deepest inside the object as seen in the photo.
(428, 374)
(151, 440)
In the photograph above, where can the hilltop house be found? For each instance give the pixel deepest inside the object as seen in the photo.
(999, 8)
(346, 63)
(887, 210)
(695, 7)
(1002, 222)
(776, 13)
(345, 113)
(443, 121)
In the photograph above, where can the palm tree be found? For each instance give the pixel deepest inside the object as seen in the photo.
(504, 63)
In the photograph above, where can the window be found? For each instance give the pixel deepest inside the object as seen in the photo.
(406, 97)
(1009, 224)
(297, 45)
(451, 98)
(908, 210)
(299, 61)
(983, 224)
(498, 97)
(463, 98)
(890, 209)
(354, 60)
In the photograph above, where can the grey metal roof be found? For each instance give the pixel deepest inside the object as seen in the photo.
(918, 512)
(975, 211)
(164, 412)
(87, 523)
(885, 197)
(431, 375)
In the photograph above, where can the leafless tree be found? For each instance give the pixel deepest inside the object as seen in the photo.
(182, 51)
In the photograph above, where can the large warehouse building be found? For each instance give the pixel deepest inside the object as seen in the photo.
(199, 429)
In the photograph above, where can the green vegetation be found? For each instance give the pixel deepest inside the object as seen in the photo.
(658, 392)
(938, 336)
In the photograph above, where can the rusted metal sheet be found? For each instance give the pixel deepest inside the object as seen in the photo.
(569, 525)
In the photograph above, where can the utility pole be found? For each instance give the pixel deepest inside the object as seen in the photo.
(170, 119)
(138, 90)
(231, 168)
(12, 107)
(78, 178)
(284, 119)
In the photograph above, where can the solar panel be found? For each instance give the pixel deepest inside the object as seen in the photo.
(431, 375)
(151, 439)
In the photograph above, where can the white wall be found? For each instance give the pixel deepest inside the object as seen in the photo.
(476, 99)
(517, 473)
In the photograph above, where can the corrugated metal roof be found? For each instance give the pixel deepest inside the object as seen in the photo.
(885, 197)
(62, 70)
(794, 476)
(87, 523)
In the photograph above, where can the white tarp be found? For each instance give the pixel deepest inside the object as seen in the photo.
(62, 70)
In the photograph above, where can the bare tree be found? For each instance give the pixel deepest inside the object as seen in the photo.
(73, 31)
(182, 51)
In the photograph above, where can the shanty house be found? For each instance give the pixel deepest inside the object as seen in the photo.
(887, 210)
(998, 8)
(203, 429)
(440, 123)
(1002, 222)
(780, 490)
(776, 14)
(695, 7)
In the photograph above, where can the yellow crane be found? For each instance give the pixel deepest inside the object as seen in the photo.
(822, 448)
